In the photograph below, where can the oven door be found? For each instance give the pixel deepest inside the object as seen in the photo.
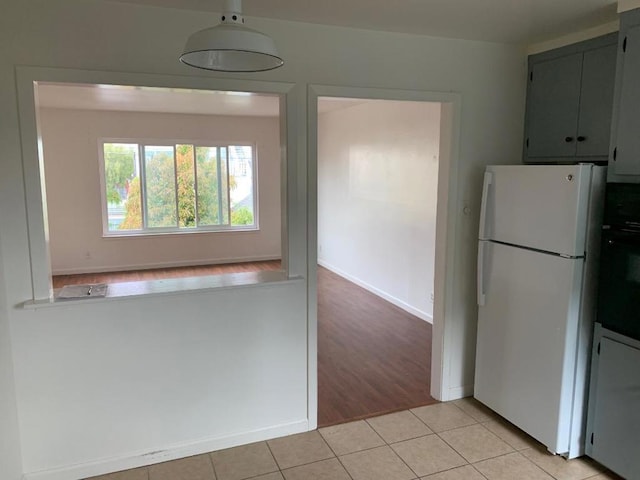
(619, 298)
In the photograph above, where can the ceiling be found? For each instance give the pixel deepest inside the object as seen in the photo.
(124, 98)
(509, 21)
(152, 99)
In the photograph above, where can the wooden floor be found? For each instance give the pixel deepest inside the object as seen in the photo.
(164, 273)
(373, 357)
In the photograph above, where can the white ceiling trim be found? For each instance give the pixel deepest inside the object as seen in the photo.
(625, 5)
(574, 37)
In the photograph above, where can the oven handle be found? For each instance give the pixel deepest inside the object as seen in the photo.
(620, 237)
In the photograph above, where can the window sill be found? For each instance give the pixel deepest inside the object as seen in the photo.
(139, 234)
(173, 286)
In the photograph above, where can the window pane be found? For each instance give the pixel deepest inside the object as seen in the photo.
(160, 187)
(208, 201)
(186, 186)
(224, 185)
(122, 185)
(241, 183)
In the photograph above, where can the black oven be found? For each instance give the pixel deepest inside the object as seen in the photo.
(619, 283)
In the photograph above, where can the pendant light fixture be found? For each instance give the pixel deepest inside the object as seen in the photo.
(230, 46)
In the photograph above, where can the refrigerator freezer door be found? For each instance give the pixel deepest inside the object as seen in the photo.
(537, 206)
(527, 340)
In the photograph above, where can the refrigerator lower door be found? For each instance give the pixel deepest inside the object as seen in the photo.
(527, 341)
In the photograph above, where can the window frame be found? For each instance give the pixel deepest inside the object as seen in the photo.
(154, 142)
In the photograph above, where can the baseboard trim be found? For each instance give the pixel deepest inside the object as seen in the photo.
(148, 266)
(380, 293)
(457, 393)
(91, 469)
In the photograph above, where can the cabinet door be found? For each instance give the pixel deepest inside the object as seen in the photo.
(627, 158)
(596, 101)
(616, 423)
(554, 96)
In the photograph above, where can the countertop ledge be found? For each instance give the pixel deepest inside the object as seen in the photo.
(172, 286)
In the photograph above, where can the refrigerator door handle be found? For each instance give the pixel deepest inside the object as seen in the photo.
(488, 180)
(481, 295)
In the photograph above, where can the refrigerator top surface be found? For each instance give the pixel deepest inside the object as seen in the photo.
(541, 207)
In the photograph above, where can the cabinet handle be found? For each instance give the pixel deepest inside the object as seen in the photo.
(581, 138)
(568, 139)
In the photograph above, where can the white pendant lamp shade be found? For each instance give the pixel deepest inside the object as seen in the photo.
(230, 46)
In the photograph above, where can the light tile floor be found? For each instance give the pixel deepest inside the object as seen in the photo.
(461, 440)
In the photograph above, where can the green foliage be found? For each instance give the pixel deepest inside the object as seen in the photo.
(208, 205)
(161, 190)
(241, 216)
(186, 186)
(133, 208)
(119, 161)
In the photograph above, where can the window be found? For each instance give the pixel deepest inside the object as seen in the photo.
(157, 187)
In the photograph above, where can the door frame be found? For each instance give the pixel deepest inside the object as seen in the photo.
(451, 104)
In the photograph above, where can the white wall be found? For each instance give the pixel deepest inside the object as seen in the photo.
(165, 375)
(70, 143)
(135, 39)
(10, 458)
(377, 194)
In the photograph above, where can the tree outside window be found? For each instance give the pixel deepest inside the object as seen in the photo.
(187, 187)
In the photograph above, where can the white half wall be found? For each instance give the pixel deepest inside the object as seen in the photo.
(139, 382)
(10, 457)
(71, 142)
(377, 198)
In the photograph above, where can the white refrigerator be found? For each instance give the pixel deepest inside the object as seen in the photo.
(537, 270)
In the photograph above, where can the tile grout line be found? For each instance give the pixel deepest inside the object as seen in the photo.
(215, 475)
(449, 429)
(482, 460)
(336, 456)
(406, 439)
(274, 457)
(396, 453)
(519, 454)
(403, 461)
(263, 474)
(390, 445)
(479, 472)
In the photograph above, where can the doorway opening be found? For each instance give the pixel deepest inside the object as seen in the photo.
(378, 163)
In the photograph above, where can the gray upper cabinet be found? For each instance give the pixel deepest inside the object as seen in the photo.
(569, 102)
(596, 102)
(554, 99)
(624, 162)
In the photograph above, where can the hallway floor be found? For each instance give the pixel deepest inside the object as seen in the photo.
(459, 440)
(373, 357)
